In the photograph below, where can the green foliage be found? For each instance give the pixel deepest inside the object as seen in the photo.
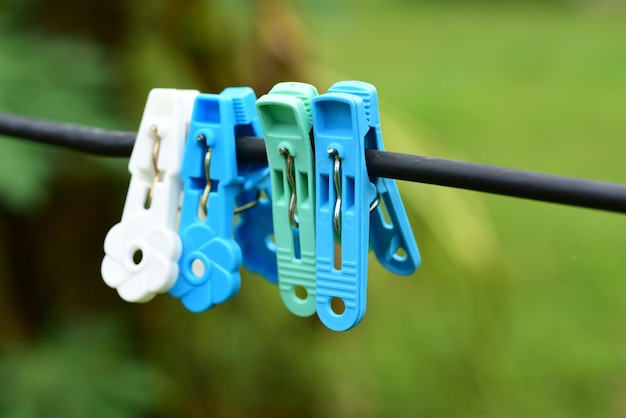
(36, 80)
(82, 371)
(55, 77)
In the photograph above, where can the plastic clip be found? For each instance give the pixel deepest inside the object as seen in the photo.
(142, 250)
(344, 194)
(391, 236)
(254, 230)
(210, 262)
(285, 114)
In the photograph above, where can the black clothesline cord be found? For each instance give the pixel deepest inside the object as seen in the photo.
(470, 176)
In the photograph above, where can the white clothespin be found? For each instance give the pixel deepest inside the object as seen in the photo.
(142, 251)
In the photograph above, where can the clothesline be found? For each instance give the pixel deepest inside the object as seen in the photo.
(430, 170)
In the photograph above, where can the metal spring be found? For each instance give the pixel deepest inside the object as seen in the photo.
(155, 159)
(292, 183)
(204, 199)
(337, 180)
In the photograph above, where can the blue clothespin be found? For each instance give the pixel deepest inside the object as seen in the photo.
(344, 194)
(210, 261)
(254, 230)
(392, 241)
(345, 123)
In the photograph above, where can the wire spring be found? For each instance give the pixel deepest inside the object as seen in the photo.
(248, 205)
(154, 132)
(292, 183)
(337, 180)
(204, 199)
(375, 202)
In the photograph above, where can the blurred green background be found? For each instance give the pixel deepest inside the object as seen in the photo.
(517, 310)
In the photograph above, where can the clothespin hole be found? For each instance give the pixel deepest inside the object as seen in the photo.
(148, 202)
(197, 267)
(337, 258)
(337, 305)
(295, 234)
(137, 256)
(400, 254)
(301, 292)
(263, 197)
(270, 242)
(385, 214)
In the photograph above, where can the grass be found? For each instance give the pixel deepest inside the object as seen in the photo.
(534, 87)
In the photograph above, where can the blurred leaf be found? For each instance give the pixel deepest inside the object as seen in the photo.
(25, 171)
(35, 79)
(81, 371)
(53, 77)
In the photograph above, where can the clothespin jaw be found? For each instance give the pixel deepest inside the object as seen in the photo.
(343, 204)
(286, 121)
(210, 262)
(142, 250)
(254, 232)
(254, 229)
(391, 236)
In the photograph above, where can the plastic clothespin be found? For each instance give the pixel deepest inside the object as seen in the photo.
(254, 230)
(344, 194)
(391, 236)
(285, 114)
(142, 250)
(210, 261)
(346, 122)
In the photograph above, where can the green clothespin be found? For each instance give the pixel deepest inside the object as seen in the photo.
(285, 115)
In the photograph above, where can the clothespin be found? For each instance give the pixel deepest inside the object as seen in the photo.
(210, 261)
(391, 236)
(285, 114)
(142, 250)
(344, 194)
(346, 122)
(254, 230)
